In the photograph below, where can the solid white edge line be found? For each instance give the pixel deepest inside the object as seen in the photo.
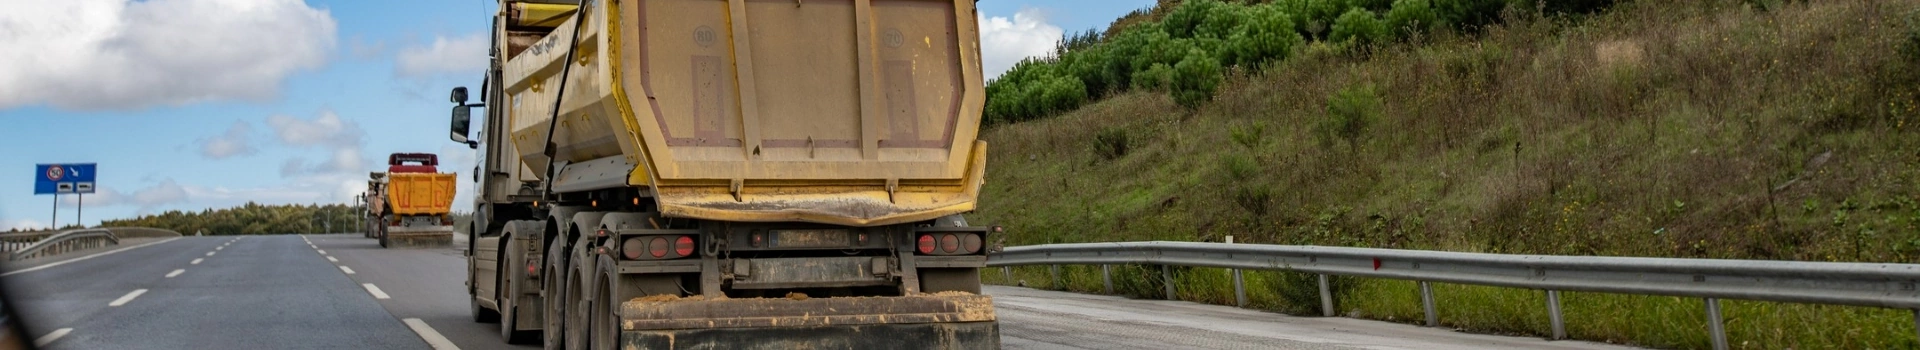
(196, 261)
(63, 262)
(346, 270)
(176, 272)
(426, 333)
(331, 259)
(377, 294)
(128, 298)
(50, 337)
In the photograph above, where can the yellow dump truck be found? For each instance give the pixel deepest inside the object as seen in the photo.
(410, 204)
(662, 174)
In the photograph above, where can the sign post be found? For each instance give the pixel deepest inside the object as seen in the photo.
(57, 179)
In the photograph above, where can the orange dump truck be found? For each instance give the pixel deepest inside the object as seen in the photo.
(411, 202)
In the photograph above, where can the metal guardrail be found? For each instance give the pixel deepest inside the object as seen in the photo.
(15, 241)
(66, 241)
(1858, 284)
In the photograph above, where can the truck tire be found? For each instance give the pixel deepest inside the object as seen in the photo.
(509, 289)
(580, 279)
(509, 316)
(554, 282)
(383, 236)
(604, 325)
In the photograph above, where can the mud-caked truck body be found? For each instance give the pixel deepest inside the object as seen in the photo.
(730, 174)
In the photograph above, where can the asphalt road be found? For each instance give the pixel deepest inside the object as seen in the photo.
(296, 292)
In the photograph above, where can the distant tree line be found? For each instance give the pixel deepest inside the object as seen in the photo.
(254, 219)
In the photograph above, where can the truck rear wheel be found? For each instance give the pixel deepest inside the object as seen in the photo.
(580, 278)
(556, 301)
(603, 323)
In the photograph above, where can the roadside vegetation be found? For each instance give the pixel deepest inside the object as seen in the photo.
(252, 219)
(1698, 129)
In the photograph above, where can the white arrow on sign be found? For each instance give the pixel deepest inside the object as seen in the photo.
(75, 171)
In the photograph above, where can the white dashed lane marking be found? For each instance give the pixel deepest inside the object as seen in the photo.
(50, 337)
(176, 272)
(129, 297)
(377, 294)
(427, 333)
(346, 270)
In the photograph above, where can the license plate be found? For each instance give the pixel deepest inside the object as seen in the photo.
(809, 238)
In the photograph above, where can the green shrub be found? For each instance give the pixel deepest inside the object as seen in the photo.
(1468, 15)
(1111, 143)
(1410, 17)
(1221, 21)
(1254, 197)
(1185, 19)
(1157, 78)
(1239, 166)
(1350, 112)
(1248, 135)
(1195, 79)
(1359, 26)
(1267, 35)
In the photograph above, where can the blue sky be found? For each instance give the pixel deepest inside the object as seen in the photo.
(191, 104)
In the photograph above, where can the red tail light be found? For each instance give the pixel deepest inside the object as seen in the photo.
(632, 248)
(683, 246)
(658, 247)
(533, 268)
(949, 243)
(926, 244)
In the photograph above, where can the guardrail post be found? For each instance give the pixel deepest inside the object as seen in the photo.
(1326, 297)
(1056, 276)
(1715, 328)
(1916, 321)
(1106, 278)
(1007, 271)
(1426, 303)
(1166, 273)
(1239, 286)
(1553, 315)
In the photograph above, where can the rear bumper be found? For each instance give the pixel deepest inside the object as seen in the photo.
(956, 321)
(420, 237)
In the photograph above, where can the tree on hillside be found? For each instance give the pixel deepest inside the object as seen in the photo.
(1350, 112)
(1195, 78)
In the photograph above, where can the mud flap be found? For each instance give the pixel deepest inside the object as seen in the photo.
(945, 321)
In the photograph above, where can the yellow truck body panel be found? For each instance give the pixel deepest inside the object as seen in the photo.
(850, 112)
(420, 193)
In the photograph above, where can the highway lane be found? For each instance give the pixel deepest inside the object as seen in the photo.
(255, 292)
(424, 284)
(311, 292)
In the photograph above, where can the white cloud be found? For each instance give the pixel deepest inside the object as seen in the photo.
(121, 54)
(460, 56)
(1004, 42)
(232, 143)
(341, 138)
(328, 130)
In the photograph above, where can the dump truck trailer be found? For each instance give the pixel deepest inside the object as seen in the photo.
(664, 174)
(411, 202)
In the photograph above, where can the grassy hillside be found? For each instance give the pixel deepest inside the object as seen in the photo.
(1702, 129)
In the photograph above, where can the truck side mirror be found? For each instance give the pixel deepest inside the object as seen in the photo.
(459, 95)
(462, 120)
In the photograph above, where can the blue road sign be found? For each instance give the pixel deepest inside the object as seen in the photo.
(63, 178)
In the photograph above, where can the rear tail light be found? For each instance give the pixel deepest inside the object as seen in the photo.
(926, 244)
(656, 247)
(632, 248)
(683, 246)
(949, 243)
(533, 268)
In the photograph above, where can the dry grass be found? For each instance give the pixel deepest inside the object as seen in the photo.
(1678, 129)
